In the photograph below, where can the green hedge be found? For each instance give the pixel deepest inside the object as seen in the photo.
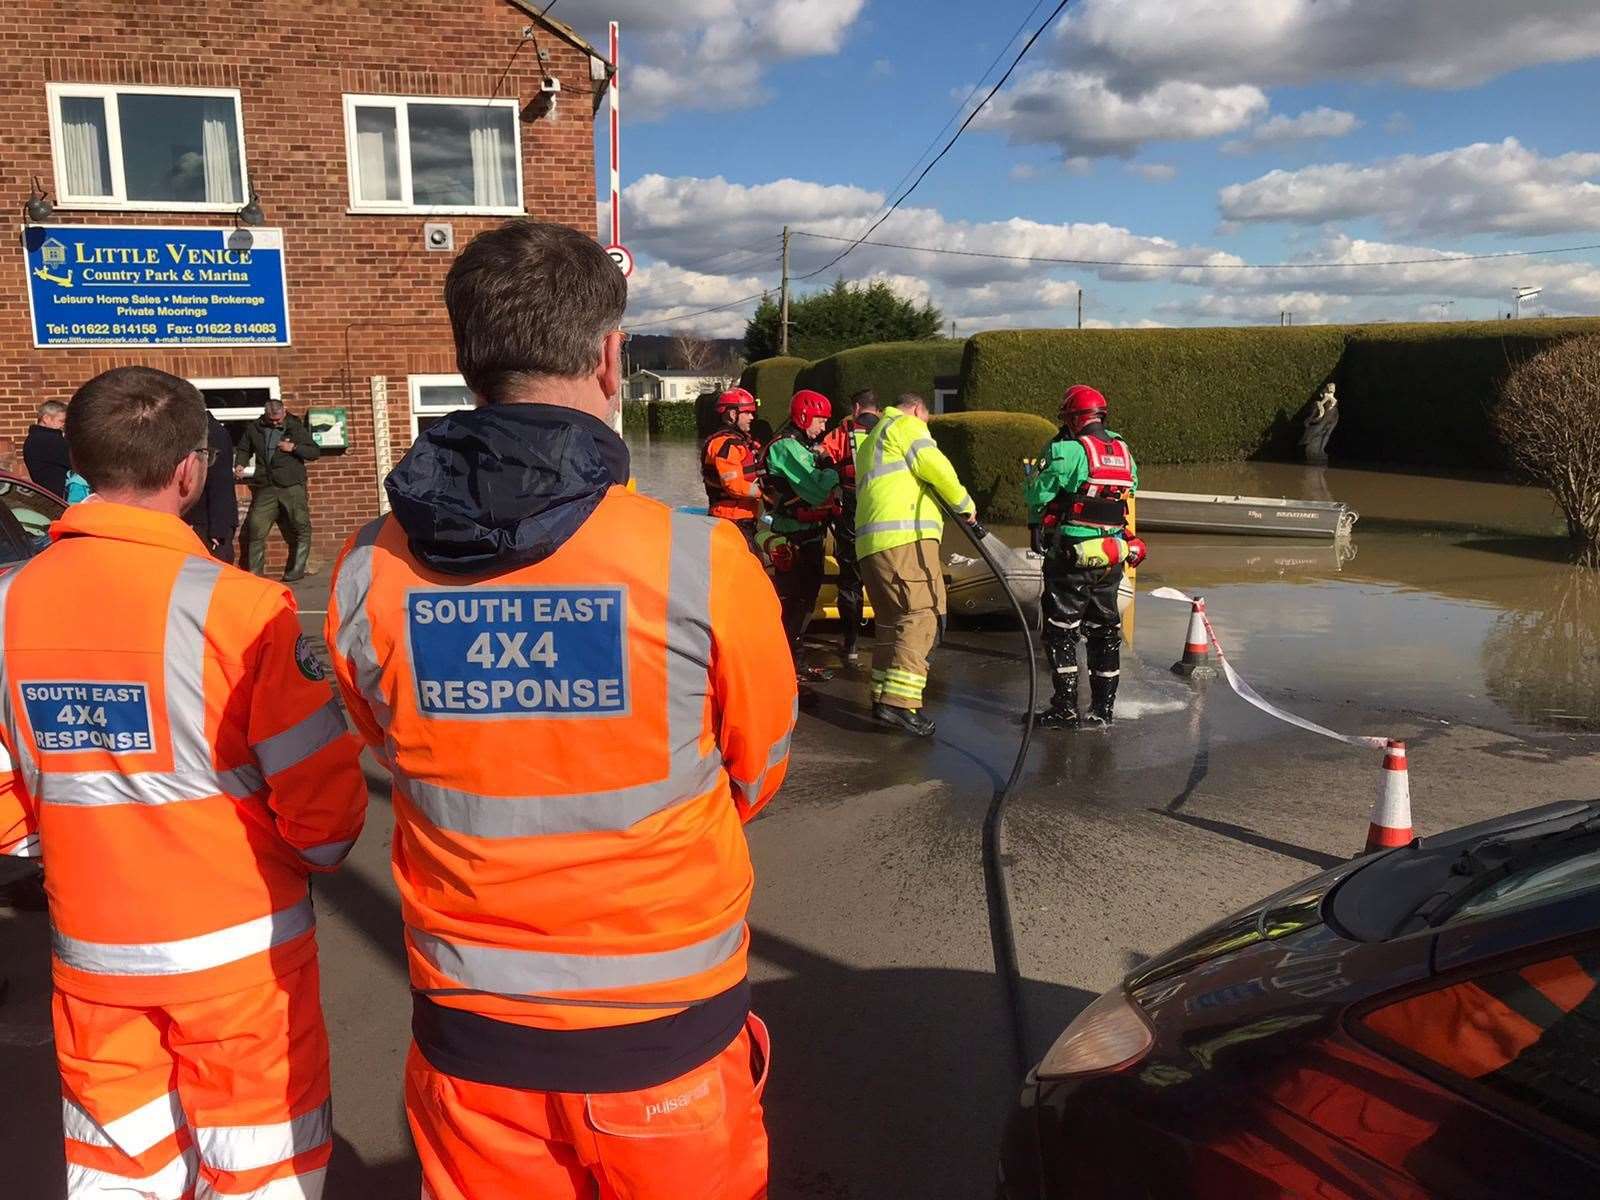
(888, 368)
(988, 450)
(1421, 394)
(635, 417)
(673, 418)
(771, 381)
(1179, 395)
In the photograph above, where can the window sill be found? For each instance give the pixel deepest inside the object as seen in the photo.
(436, 212)
(174, 206)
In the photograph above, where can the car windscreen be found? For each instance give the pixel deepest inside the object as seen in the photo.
(1538, 883)
(33, 510)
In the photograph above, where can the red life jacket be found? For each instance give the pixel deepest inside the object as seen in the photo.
(1101, 500)
(738, 499)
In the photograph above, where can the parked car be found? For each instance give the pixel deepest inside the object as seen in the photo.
(1423, 1022)
(26, 511)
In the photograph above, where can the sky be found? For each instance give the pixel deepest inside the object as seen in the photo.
(1187, 143)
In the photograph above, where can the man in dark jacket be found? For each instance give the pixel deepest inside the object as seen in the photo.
(44, 451)
(280, 445)
(215, 515)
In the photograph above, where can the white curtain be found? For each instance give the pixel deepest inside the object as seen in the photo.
(84, 154)
(377, 156)
(217, 145)
(489, 184)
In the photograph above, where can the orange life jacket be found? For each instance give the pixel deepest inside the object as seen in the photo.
(179, 760)
(573, 745)
(733, 481)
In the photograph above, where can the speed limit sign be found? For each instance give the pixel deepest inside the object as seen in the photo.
(621, 256)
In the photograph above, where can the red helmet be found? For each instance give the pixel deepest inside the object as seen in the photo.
(807, 406)
(736, 400)
(1082, 403)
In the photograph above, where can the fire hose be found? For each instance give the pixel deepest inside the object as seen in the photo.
(996, 875)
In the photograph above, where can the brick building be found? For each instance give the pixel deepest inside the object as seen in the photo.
(357, 128)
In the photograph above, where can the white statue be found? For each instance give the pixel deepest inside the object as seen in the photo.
(1320, 424)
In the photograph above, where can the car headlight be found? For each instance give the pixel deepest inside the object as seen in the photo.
(1107, 1036)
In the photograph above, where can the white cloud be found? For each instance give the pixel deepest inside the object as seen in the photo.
(1498, 187)
(659, 293)
(1083, 115)
(1154, 172)
(1313, 125)
(709, 54)
(1137, 44)
(1023, 173)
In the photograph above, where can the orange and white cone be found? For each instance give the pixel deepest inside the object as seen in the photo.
(1196, 658)
(1391, 813)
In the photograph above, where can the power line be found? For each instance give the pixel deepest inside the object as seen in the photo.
(702, 313)
(962, 107)
(1191, 266)
(972, 116)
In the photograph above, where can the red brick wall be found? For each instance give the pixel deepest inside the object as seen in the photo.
(365, 281)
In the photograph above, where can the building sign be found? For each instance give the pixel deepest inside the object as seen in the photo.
(124, 285)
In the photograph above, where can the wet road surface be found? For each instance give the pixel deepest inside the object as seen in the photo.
(872, 961)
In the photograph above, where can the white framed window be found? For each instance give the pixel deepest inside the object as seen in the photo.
(434, 397)
(429, 154)
(238, 401)
(158, 149)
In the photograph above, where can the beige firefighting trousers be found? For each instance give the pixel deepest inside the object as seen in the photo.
(906, 587)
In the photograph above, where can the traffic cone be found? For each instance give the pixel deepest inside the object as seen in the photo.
(1391, 812)
(1196, 659)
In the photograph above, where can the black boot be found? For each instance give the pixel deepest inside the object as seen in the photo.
(909, 719)
(1102, 698)
(1063, 710)
(299, 555)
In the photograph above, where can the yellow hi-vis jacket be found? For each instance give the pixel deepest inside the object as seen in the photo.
(897, 468)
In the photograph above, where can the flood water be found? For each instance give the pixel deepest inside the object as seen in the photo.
(1452, 598)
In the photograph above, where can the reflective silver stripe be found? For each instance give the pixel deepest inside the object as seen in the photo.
(353, 638)
(882, 469)
(132, 1133)
(299, 742)
(1106, 674)
(917, 447)
(28, 847)
(251, 1147)
(897, 527)
(185, 653)
(329, 854)
(94, 789)
(511, 972)
(242, 782)
(199, 953)
(307, 1185)
(25, 763)
(689, 772)
(478, 815)
(750, 789)
(171, 1182)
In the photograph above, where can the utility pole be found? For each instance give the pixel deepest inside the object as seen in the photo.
(783, 304)
(1080, 308)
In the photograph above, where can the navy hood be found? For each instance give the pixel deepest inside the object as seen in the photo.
(503, 486)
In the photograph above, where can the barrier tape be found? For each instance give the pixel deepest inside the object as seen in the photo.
(1250, 696)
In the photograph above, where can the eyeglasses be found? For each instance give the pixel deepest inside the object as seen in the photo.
(208, 454)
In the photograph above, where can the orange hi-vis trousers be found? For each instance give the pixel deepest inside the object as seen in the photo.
(699, 1137)
(210, 1099)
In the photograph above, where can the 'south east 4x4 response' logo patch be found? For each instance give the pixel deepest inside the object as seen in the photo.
(305, 657)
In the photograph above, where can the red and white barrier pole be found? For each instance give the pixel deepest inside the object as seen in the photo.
(614, 94)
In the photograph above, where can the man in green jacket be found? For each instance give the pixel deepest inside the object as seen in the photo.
(899, 528)
(280, 446)
(1078, 514)
(802, 496)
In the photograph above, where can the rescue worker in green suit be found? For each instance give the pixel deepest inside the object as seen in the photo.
(1078, 517)
(802, 497)
(281, 446)
(901, 475)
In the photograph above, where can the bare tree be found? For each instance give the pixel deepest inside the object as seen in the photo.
(1548, 419)
(693, 353)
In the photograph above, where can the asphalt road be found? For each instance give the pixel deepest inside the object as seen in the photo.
(872, 960)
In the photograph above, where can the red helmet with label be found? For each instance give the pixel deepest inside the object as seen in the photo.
(1082, 403)
(736, 400)
(807, 406)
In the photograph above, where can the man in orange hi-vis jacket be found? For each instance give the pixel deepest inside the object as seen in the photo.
(181, 766)
(580, 694)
